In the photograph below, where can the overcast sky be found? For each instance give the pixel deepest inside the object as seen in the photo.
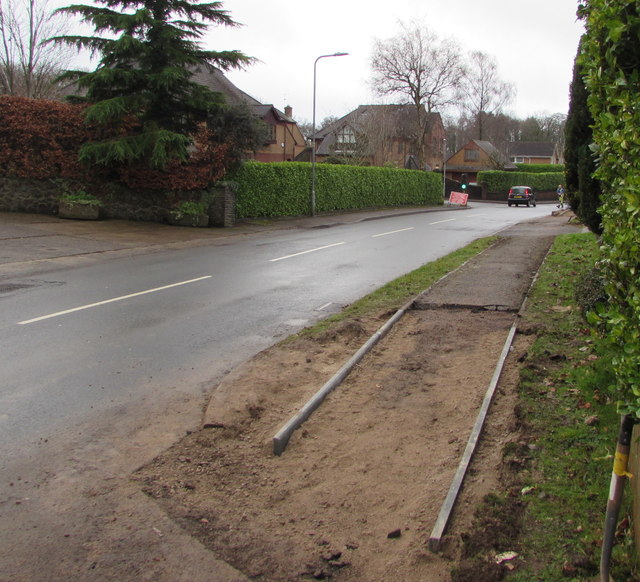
(533, 43)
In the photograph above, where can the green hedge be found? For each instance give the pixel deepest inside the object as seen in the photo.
(609, 58)
(497, 181)
(284, 189)
(540, 168)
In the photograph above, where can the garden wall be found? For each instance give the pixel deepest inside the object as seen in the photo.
(41, 197)
(24, 195)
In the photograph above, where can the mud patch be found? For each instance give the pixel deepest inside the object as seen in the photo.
(358, 490)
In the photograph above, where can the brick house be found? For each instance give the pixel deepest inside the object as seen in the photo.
(285, 140)
(380, 135)
(535, 152)
(474, 157)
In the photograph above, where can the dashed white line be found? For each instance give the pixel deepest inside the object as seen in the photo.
(90, 305)
(441, 221)
(306, 252)
(392, 232)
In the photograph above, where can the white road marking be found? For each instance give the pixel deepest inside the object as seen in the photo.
(392, 232)
(89, 306)
(306, 252)
(323, 307)
(441, 221)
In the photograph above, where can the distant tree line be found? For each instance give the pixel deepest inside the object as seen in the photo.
(503, 130)
(418, 67)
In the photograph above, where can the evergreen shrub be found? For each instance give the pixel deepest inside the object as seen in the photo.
(610, 57)
(284, 188)
(498, 181)
(540, 168)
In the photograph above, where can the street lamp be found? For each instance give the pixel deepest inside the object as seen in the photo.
(313, 133)
(444, 170)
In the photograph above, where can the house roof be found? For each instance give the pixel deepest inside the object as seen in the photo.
(400, 120)
(215, 80)
(491, 151)
(534, 149)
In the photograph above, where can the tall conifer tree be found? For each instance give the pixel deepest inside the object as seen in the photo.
(582, 188)
(148, 51)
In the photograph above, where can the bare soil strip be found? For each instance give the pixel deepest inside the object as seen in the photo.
(358, 490)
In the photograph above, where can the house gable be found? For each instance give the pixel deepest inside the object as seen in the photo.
(527, 152)
(285, 140)
(474, 157)
(380, 135)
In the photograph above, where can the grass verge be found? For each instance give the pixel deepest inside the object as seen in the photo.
(557, 469)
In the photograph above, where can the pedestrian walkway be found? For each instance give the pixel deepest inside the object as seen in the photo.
(498, 278)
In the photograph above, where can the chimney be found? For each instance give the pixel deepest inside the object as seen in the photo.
(288, 111)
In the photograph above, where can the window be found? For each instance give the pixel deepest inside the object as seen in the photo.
(471, 155)
(346, 136)
(345, 141)
(270, 133)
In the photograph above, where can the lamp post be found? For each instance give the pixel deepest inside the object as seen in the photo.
(444, 170)
(313, 133)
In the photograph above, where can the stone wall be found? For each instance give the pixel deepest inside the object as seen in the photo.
(222, 208)
(34, 196)
(148, 206)
(41, 197)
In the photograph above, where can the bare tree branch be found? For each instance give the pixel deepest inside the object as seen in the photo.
(420, 68)
(418, 65)
(28, 66)
(485, 94)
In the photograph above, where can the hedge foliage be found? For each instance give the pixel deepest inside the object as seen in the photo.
(540, 168)
(41, 139)
(284, 189)
(498, 181)
(610, 57)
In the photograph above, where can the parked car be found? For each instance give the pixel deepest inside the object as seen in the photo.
(521, 195)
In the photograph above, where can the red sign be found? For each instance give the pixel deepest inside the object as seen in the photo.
(458, 198)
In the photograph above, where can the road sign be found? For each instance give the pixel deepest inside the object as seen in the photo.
(458, 198)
